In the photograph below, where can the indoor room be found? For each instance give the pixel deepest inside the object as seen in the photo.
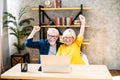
(76, 39)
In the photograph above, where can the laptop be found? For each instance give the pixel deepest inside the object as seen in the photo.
(53, 63)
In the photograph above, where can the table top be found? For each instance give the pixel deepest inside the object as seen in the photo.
(79, 72)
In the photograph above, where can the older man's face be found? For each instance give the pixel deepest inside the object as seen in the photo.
(52, 38)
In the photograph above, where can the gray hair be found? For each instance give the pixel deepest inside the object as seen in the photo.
(69, 32)
(52, 29)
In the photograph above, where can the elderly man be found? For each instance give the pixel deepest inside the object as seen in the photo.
(46, 47)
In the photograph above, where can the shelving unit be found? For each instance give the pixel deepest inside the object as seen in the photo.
(42, 15)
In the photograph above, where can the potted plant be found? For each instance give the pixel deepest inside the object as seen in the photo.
(21, 27)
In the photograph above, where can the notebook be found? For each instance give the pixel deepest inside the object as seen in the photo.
(53, 63)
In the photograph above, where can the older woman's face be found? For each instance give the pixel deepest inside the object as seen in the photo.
(52, 38)
(68, 40)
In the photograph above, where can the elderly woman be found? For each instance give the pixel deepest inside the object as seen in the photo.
(72, 44)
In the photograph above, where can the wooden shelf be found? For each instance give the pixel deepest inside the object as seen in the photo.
(85, 8)
(86, 43)
(63, 26)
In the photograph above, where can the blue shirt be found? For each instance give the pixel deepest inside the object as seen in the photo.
(42, 45)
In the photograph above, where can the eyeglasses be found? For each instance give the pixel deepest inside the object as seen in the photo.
(68, 37)
(52, 36)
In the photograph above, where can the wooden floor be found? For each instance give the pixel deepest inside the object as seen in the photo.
(115, 72)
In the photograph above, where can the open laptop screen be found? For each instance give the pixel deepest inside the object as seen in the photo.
(53, 63)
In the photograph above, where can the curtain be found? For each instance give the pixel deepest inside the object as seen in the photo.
(1, 35)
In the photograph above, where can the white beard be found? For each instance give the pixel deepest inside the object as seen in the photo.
(52, 42)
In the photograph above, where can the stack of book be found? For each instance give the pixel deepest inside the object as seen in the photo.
(63, 21)
(58, 3)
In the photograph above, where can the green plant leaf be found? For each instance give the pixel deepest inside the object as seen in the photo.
(20, 15)
(14, 34)
(8, 15)
(28, 21)
(19, 47)
(21, 27)
(13, 29)
(9, 21)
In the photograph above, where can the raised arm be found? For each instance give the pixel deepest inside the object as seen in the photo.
(34, 31)
(82, 27)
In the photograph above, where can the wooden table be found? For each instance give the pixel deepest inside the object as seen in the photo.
(79, 72)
